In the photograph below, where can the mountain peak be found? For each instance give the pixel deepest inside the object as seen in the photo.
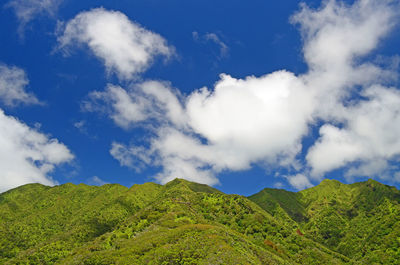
(176, 181)
(193, 186)
(330, 182)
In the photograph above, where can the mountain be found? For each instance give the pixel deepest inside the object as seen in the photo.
(183, 222)
(360, 220)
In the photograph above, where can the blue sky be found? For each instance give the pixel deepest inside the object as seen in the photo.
(239, 95)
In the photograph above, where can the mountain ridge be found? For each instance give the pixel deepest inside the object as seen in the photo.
(183, 222)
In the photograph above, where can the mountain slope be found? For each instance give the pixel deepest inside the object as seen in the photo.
(360, 221)
(179, 223)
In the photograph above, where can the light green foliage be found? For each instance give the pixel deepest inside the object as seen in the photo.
(188, 223)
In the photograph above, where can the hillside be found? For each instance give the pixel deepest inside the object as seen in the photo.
(360, 220)
(188, 223)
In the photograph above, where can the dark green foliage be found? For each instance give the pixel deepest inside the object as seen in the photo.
(188, 223)
(272, 200)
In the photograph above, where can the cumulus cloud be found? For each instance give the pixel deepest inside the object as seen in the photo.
(13, 81)
(369, 137)
(26, 155)
(27, 10)
(238, 119)
(263, 120)
(258, 118)
(359, 126)
(125, 47)
(238, 135)
(336, 37)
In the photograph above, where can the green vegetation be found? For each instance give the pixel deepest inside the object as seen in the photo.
(360, 221)
(188, 223)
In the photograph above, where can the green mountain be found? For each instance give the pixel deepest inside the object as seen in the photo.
(188, 223)
(360, 220)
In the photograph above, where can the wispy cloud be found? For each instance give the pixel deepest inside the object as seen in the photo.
(81, 126)
(96, 181)
(27, 10)
(135, 157)
(213, 37)
(278, 185)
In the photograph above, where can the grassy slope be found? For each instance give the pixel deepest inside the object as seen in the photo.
(178, 223)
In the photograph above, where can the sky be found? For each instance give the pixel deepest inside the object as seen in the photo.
(240, 95)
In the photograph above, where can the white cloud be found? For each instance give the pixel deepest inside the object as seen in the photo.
(243, 122)
(369, 136)
(336, 33)
(397, 177)
(27, 10)
(278, 185)
(135, 157)
(125, 110)
(81, 126)
(125, 47)
(223, 48)
(334, 149)
(263, 120)
(13, 81)
(356, 130)
(336, 37)
(299, 181)
(96, 181)
(254, 118)
(26, 155)
(151, 100)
